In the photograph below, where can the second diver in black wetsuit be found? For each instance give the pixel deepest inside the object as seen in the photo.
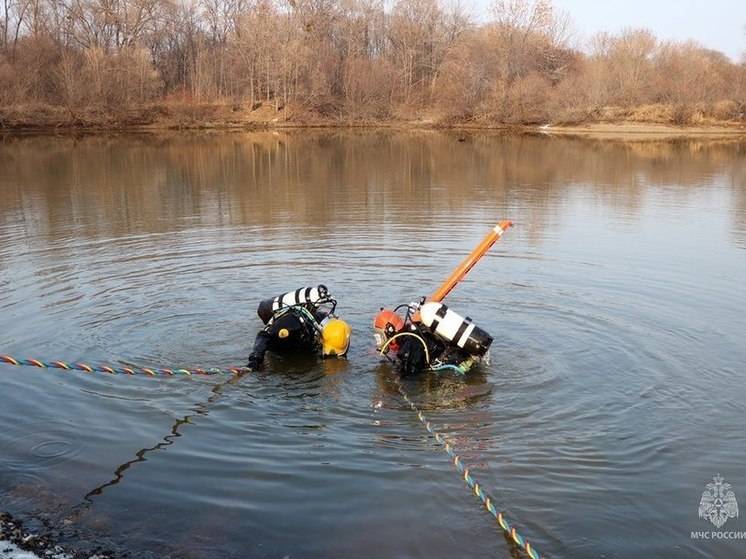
(300, 321)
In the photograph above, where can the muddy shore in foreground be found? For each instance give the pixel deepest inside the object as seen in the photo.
(16, 541)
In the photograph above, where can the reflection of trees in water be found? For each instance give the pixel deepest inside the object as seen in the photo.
(110, 185)
(737, 184)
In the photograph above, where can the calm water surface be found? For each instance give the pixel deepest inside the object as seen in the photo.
(615, 390)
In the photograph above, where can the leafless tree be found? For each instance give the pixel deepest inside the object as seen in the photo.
(357, 59)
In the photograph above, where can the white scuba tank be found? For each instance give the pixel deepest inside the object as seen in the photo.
(454, 329)
(302, 296)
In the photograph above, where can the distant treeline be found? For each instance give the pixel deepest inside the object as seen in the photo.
(354, 59)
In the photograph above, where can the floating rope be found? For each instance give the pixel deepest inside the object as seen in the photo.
(85, 367)
(476, 488)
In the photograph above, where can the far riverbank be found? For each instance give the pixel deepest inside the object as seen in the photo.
(239, 117)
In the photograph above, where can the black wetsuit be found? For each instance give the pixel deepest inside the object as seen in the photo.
(289, 330)
(411, 355)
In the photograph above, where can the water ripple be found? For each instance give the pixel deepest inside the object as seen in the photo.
(612, 392)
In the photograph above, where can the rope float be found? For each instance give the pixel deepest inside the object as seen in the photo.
(466, 476)
(147, 371)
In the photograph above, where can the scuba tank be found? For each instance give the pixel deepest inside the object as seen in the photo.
(454, 329)
(303, 296)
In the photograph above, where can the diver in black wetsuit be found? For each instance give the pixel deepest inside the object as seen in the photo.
(430, 337)
(299, 321)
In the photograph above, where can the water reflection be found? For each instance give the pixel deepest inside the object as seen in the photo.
(435, 391)
(200, 409)
(331, 179)
(287, 372)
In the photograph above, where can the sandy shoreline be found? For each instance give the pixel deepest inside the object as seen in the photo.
(619, 131)
(637, 129)
(175, 117)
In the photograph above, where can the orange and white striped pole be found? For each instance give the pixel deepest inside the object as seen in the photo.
(480, 250)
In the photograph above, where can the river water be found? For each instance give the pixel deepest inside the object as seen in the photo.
(614, 393)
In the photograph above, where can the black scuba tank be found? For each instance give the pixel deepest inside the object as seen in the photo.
(455, 329)
(302, 296)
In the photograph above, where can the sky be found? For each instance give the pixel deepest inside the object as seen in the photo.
(717, 24)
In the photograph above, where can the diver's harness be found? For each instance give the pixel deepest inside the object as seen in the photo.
(304, 315)
(309, 312)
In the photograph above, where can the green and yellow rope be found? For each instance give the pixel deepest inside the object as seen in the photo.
(466, 476)
(87, 368)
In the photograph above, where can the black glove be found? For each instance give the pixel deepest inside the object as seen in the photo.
(255, 362)
(261, 343)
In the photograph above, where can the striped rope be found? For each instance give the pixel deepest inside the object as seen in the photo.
(466, 476)
(147, 371)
